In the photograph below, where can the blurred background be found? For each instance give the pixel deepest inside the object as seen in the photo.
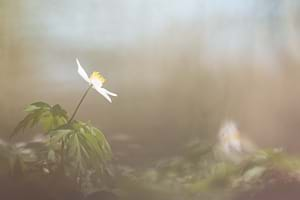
(180, 68)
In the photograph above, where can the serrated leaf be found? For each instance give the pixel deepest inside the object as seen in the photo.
(47, 122)
(57, 110)
(41, 104)
(42, 113)
(58, 135)
(87, 147)
(23, 124)
(31, 108)
(35, 118)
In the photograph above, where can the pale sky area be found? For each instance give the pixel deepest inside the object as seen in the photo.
(225, 28)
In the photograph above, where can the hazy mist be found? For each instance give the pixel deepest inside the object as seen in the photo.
(180, 68)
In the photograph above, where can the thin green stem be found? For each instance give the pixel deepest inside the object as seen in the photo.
(62, 150)
(80, 102)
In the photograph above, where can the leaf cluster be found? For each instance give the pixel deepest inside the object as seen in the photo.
(50, 117)
(85, 145)
(77, 146)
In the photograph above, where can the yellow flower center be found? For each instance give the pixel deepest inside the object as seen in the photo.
(97, 76)
(236, 136)
(232, 137)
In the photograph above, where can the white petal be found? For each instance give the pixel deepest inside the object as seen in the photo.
(81, 72)
(103, 92)
(96, 82)
(110, 93)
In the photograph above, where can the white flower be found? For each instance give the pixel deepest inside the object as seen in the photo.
(233, 145)
(230, 146)
(96, 80)
(229, 137)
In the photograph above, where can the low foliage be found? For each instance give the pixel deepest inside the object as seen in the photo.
(72, 147)
(213, 179)
(50, 117)
(85, 145)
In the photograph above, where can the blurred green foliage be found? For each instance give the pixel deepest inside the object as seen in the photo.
(71, 148)
(185, 177)
(50, 117)
(85, 146)
(84, 153)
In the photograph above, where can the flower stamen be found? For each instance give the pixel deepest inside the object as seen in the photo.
(97, 76)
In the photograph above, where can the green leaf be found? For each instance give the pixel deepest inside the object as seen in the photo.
(23, 124)
(41, 104)
(87, 147)
(58, 111)
(58, 135)
(47, 121)
(31, 108)
(42, 113)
